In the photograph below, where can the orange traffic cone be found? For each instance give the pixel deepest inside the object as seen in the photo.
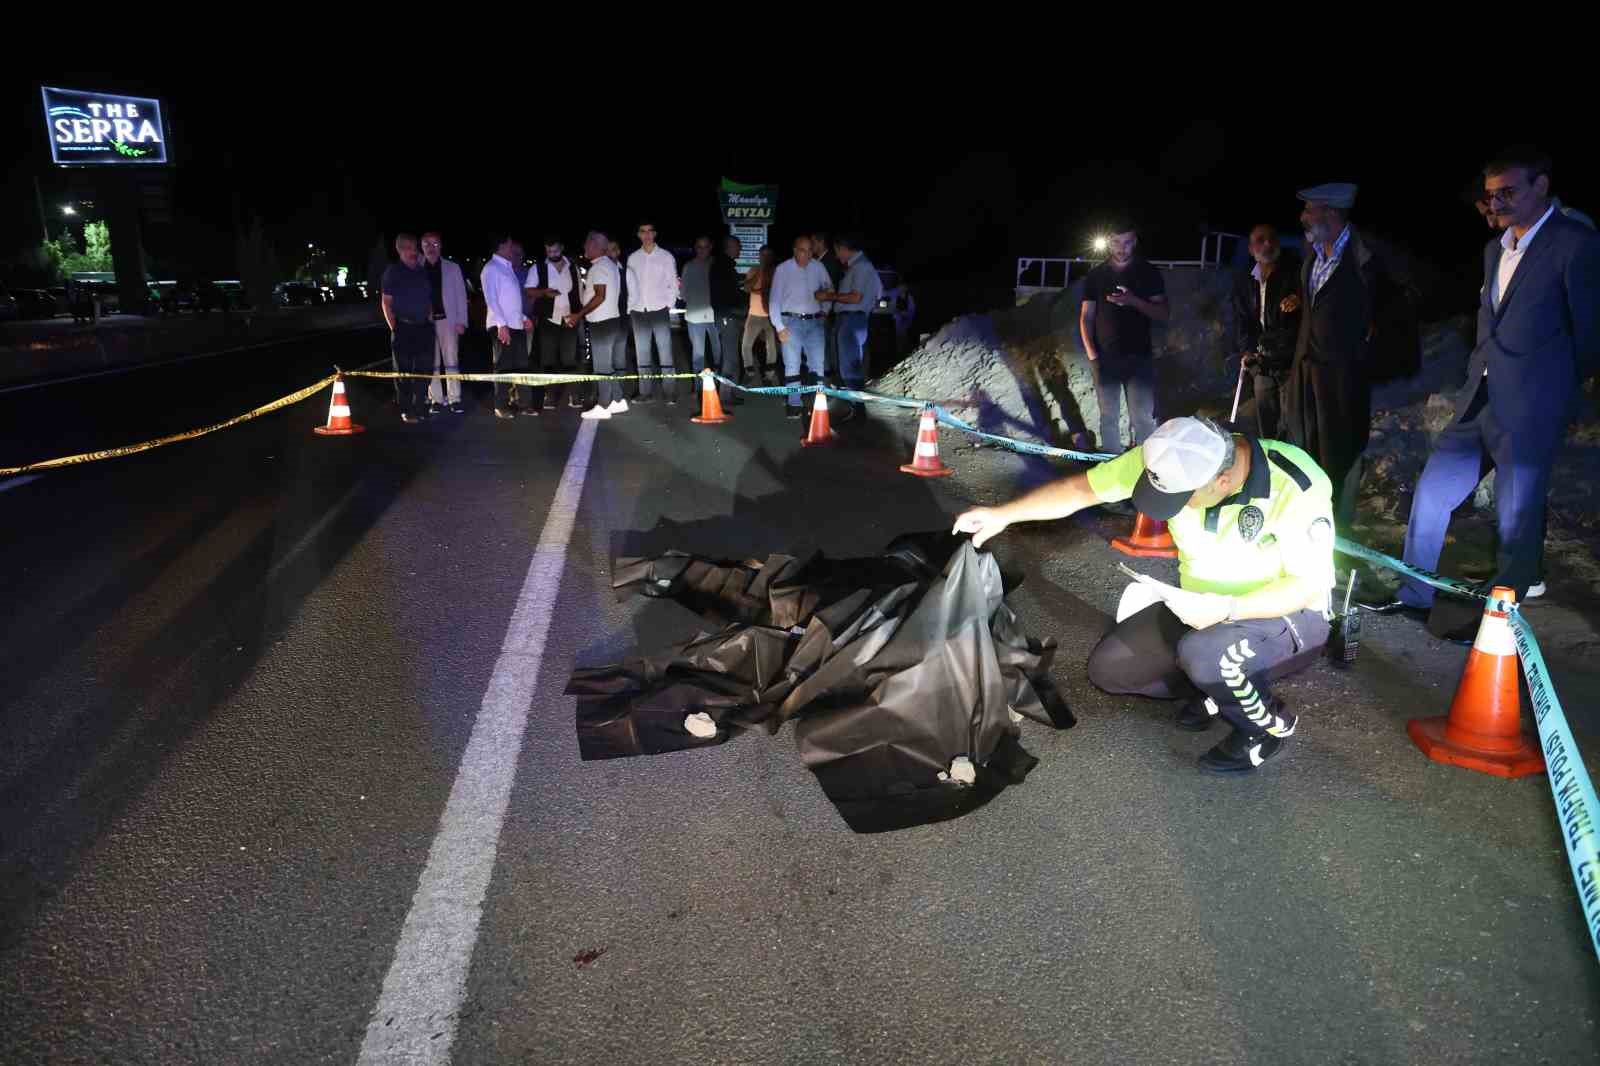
(710, 402)
(925, 461)
(820, 431)
(1149, 540)
(1483, 730)
(339, 424)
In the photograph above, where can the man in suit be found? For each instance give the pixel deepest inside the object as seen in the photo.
(1349, 284)
(449, 295)
(1538, 339)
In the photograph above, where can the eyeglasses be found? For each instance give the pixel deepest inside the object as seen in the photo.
(431, 244)
(1506, 195)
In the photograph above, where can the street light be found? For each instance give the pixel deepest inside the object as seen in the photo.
(68, 209)
(1099, 244)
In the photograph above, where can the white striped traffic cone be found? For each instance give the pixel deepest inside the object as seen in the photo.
(925, 462)
(821, 430)
(1483, 730)
(339, 423)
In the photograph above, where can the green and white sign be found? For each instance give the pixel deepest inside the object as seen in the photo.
(748, 211)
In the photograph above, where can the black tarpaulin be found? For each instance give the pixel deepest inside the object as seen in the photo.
(896, 668)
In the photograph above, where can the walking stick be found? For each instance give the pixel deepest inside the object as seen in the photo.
(1238, 390)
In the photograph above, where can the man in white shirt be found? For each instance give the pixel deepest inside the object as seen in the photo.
(652, 290)
(508, 325)
(550, 285)
(601, 292)
(630, 383)
(798, 317)
(449, 293)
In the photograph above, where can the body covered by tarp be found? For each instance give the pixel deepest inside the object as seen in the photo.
(893, 668)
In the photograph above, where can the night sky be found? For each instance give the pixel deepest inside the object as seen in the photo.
(941, 198)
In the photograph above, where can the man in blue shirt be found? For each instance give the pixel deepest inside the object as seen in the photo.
(854, 300)
(408, 309)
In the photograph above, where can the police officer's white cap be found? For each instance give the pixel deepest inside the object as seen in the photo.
(1180, 457)
(1340, 194)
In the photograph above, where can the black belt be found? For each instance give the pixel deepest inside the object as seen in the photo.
(439, 317)
(414, 321)
(804, 318)
(852, 312)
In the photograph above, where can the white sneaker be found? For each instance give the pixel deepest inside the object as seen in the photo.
(1535, 591)
(596, 412)
(618, 407)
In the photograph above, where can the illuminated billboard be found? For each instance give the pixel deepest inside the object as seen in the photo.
(92, 128)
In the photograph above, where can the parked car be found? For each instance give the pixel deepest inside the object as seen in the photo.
(8, 306)
(353, 293)
(301, 294)
(34, 303)
(219, 296)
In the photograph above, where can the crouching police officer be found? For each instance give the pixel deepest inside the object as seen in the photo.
(1253, 523)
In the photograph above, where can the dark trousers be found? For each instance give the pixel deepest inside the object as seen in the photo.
(1152, 653)
(1334, 422)
(509, 358)
(732, 327)
(607, 346)
(652, 337)
(412, 347)
(850, 337)
(558, 354)
(1466, 449)
(830, 345)
(630, 366)
(1268, 396)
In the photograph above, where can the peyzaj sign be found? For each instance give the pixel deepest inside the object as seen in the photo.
(747, 205)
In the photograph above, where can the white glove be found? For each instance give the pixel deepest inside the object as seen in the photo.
(1202, 611)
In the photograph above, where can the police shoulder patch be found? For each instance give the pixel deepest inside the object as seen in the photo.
(1250, 522)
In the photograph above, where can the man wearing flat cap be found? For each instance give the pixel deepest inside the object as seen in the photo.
(1350, 290)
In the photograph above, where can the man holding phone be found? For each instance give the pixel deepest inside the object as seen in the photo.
(1120, 298)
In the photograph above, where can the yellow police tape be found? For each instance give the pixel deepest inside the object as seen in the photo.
(306, 393)
(518, 379)
(130, 449)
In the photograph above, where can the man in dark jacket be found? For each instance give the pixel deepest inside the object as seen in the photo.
(551, 287)
(1264, 333)
(731, 305)
(1349, 286)
(1538, 340)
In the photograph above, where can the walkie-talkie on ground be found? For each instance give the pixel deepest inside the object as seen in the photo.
(1345, 640)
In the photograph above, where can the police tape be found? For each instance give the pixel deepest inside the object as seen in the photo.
(516, 377)
(1576, 806)
(175, 438)
(1427, 577)
(864, 396)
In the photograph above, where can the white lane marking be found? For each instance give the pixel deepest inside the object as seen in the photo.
(17, 482)
(427, 979)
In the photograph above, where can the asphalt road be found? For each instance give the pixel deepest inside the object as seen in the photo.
(244, 676)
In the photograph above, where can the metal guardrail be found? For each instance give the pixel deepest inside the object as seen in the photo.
(1036, 275)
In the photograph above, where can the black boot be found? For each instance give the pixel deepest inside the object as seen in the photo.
(1198, 714)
